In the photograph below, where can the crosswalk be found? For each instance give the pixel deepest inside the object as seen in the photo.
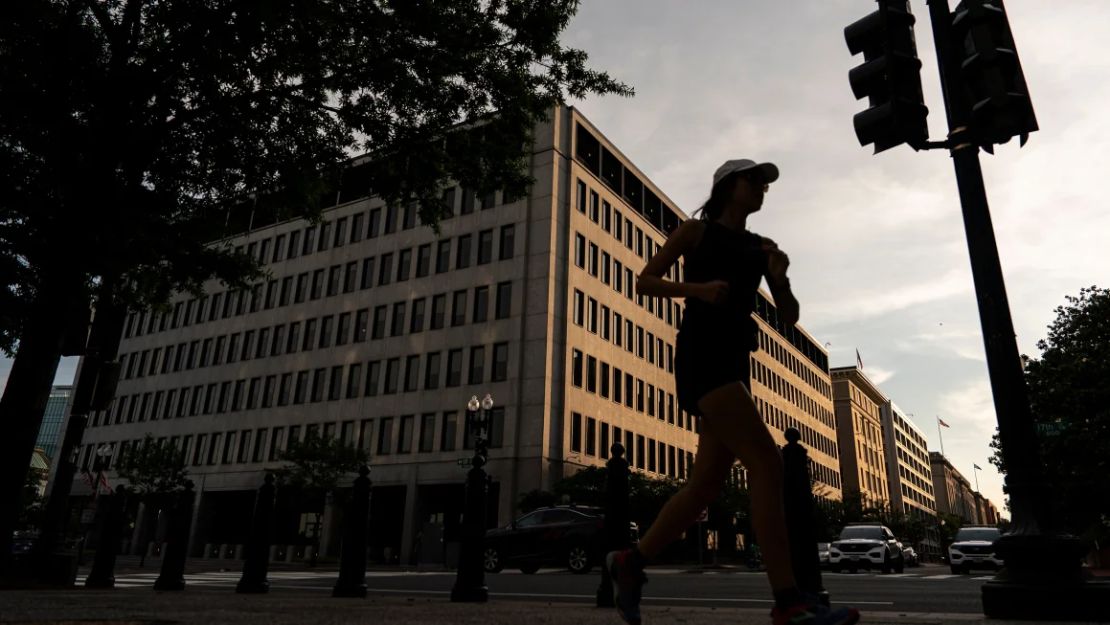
(323, 579)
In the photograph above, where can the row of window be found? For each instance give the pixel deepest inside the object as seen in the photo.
(633, 338)
(597, 376)
(381, 377)
(776, 350)
(591, 437)
(394, 435)
(329, 282)
(613, 222)
(612, 273)
(783, 420)
(915, 480)
(323, 332)
(783, 388)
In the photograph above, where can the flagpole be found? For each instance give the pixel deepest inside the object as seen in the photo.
(941, 435)
(975, 470)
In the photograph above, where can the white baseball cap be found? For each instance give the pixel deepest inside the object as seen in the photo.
(769, 171)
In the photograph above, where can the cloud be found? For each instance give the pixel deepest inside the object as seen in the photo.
(878, 375)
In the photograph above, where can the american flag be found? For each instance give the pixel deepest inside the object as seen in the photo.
(942, 423)
(859, 361)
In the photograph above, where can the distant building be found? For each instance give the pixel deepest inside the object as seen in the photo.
(860, 434)
(910, 473)
(53, 420)
(953, 492)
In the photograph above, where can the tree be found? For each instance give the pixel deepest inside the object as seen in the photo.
(135, 133)
(1069, 393)
(313, 472)
(154, 471)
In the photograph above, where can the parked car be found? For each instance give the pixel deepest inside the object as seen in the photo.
(866, 546)
(823, 554)
(556, 536)
(974, 548)
(910, 556)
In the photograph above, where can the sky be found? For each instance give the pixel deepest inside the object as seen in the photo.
(878, 254)
(879, 258)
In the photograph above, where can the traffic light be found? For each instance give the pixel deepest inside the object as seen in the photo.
(990, 76)
(890, 78)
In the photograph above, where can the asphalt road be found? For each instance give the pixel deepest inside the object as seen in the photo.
(924, 589)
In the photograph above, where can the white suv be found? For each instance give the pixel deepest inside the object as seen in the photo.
(866, 546)
(974, 548)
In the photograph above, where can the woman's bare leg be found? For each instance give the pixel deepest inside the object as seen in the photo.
(730, 417)
(711, 467)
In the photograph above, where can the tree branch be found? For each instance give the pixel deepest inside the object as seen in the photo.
(102, 17)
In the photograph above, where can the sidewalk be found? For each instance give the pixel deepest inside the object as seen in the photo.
(224, 608)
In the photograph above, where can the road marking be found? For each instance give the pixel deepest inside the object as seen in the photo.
(941, 576)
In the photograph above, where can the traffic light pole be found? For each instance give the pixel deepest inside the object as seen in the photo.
(1043, 577)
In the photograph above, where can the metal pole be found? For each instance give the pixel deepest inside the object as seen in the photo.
(941, 435)
(1042, 578)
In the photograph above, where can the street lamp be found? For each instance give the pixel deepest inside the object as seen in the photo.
(470, 582)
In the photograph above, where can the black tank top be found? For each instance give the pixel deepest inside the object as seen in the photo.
(737, 258)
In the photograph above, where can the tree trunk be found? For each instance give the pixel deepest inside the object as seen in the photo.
(22, 407)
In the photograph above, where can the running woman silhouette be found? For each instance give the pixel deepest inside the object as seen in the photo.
(724, 264)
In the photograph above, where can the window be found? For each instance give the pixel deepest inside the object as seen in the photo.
(412, 373)
(375, 223)
(392, 374)
(576, 432)
(593, 260)
(354, 379)
(302, 288)
(318, 378)
(500, 362)
(439, 310)
(579, 251)
(340, 232)
(385, 270)
(408, 217)
(379, 322)
(454, 368)
(605, 380)
(427, 431)
(362, 317)
(481, 304)
(507, 243)
(398, 327)
(423, 260)
(591, 436)
(327, 326)
(309, 335)
(462, 252)
(279, 249)
(579, 311)
(343, 332)
(458, 309)
(334, 277)
(385, 436)
(449, 202)
(443, 256)
(576, 368)
(404, 264)
(373, 377)
(606, 224)
(350, 277)
(606, 266)
(477, 365)
(605, 322)
(325, 236)
(485, 247)
(335, 383)
(591, 374)
(300, 389)
(294, 244)
(417, 322)
(317, 285)
(390, 219)
(356, 227)
(431, 371)
(591, 319)
(404, 437)
(367, 273)
(581, 204)
(467, 204)
(448, 433)
(504, 300)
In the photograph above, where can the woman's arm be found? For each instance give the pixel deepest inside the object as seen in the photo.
(650, 282)
(775, 273)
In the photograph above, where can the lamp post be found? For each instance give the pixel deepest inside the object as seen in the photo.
(470, 582)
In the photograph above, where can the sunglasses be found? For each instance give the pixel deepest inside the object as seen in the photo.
(757, 180)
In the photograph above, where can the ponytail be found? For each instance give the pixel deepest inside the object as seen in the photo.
(718, 197)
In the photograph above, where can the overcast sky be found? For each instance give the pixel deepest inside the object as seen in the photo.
(878, 254)
(879, 257)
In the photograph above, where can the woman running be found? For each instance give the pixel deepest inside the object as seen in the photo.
(724, 266)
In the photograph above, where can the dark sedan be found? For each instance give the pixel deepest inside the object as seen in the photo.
(556, 536)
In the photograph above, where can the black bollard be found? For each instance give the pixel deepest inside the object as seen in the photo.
(107, 546)
(257, 564)
(800, 518)
(356, 521)
(172, 575)
(617, 518)
(470, 581)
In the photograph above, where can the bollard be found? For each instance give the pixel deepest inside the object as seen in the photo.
(257, 565)
(172, 576)
(356, 521)
(470, 581)
(800, 519)
(616, 518)
(107, 547)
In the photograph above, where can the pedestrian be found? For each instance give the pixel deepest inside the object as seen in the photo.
(724, 265)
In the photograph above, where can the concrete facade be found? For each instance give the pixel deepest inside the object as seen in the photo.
(373, 330)
(860, 434)
(910, 473)
(954, 494)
